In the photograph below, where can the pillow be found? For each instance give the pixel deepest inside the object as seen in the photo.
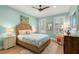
(28, 32)
(24, 32)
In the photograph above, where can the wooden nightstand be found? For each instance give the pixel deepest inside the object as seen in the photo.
(9, 41)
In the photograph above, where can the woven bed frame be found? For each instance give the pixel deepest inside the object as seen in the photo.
(26, 45)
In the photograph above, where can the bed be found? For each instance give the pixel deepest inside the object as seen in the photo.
(34, 42)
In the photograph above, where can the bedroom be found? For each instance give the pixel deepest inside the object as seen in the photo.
(52, 22)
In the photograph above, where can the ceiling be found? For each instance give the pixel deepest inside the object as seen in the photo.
(53, 10)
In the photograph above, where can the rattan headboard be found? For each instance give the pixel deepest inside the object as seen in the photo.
(22, 27)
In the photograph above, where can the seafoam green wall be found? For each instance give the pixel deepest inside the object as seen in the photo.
(10, 18)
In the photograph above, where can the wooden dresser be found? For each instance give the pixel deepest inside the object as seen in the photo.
(71, 45)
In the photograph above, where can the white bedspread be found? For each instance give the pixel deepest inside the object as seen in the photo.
(35, 39)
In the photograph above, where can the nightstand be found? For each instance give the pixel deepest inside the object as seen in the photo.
(9, 42)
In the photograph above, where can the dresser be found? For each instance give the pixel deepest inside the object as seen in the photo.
(71, 44)
(9, 42)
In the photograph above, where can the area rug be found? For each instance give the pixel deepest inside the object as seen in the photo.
(53, 48)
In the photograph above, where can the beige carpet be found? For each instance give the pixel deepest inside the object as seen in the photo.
(53, 48)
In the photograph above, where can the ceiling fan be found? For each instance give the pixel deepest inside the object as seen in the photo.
(41, 8)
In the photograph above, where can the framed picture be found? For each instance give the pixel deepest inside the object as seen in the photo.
(24, 20)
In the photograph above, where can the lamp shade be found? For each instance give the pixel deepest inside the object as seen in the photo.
(9, 29)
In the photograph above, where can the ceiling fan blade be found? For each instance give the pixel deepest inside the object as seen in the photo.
(45, 7)
(34, 8)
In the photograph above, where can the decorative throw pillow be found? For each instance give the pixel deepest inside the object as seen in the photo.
(28, 32)
(22, 32)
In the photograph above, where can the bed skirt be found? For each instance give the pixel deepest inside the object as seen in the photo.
(32, 47)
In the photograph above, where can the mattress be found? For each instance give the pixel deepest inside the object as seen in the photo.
(34, 39)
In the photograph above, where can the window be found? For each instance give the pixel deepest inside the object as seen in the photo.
(74, 21)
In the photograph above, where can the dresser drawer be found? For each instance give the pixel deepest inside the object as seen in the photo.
(9, 42)
(12, 41)
(5, 44)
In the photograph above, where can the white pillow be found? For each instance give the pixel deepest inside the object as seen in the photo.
(24, 32)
